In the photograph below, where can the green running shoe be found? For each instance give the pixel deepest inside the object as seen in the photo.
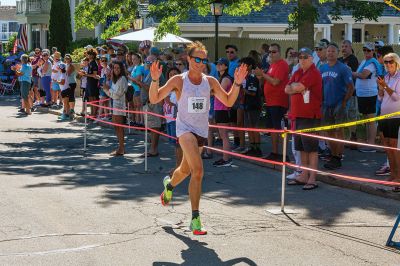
(166, 196)
(196, 227)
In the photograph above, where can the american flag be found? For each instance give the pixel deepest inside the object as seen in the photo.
(110, 20)
(22, 39)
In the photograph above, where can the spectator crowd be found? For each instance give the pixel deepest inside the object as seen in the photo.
(295, 89)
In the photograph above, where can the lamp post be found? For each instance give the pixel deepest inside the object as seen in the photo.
(216, 10)
(138, 22)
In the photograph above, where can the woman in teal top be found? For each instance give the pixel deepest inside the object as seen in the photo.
(24, 73)
(135, 79)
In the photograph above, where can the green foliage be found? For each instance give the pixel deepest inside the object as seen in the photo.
(133, 47)
(82, 43)
(60, 33)
(10, 43)
(78, 54)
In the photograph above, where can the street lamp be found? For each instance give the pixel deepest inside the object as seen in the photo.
(217, 8)
(138, 22)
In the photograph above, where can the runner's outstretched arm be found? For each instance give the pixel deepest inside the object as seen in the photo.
(156, 94)
(229, 98)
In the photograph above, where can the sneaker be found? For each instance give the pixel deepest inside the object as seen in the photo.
(366, 150)
(294, 175)
(254, 153)
(383, 171)
(325, 154)
(334, 163)
(223, 163)
(245, 150)
(272, 157)
(218, 142)
(196, 227)
(166, 196)
(206, 156)
(63, 117)
(238, 149)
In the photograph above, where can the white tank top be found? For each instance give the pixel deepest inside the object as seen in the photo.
(193, 107)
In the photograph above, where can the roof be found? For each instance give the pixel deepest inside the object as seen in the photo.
(274, 13)
(8, 13)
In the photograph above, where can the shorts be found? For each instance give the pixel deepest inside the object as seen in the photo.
(352, 110)
(367, 105)
(334, 115)
(129, 94)
(55, 86)
(251, 118)
(275, 114)
(390, 127)
(35, 80)
(25, 86)
(42, 93)
(233, 116)
(68, 93)
(222, 116)
(92, 92)
(303, 143)
(200, 140)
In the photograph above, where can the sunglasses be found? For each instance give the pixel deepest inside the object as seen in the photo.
(319, 49)
(272, 52)
(200, 60)
(391, 62)
(229, 51)
(303, 56)
(178, 64)
(367, 50)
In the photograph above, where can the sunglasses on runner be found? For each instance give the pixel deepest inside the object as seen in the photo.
(199, 60)
(391, 62)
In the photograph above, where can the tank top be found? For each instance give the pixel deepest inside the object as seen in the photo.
(49, 68)
(193, 107)
(72, 77)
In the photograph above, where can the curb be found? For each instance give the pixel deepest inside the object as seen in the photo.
(376, 190)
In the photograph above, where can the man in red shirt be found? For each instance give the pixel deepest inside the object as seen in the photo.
(276, 99)
(305, 90)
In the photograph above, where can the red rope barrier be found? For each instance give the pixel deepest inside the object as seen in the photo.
(114, 124)
(261, 130)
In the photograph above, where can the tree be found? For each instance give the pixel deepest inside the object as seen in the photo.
(170, 12)
(10, 43)
(60, 32)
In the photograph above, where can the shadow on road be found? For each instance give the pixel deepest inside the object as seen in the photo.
(199, 254)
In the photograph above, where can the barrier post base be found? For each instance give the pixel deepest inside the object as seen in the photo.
(390, 242)
(278, 211)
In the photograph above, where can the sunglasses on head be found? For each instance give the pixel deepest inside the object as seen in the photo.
(391, 62)
(303, 56)
(200, 60)
(229, 51)
(366, 50)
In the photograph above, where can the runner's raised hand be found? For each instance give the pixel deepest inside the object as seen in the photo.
(241, 74)
(155, 70)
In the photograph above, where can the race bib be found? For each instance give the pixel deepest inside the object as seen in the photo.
(197, 105)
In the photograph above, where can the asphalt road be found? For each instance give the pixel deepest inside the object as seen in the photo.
(61, 207)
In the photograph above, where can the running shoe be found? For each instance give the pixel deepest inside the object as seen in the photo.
(239, 149)
(223, 163)
(334, 163)
(366, 150)
(383, 171)
(294, 175)
(325, 155)
(196, 227)
(166, 196)
(63, 117)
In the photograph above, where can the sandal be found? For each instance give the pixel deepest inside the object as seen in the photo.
(116, 153)
(396, 189)
(295, 182)
(149, 155)
(310, 186)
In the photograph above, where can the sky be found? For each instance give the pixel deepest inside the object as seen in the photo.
(8, 2)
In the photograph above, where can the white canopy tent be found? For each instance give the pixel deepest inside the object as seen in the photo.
(149, 34)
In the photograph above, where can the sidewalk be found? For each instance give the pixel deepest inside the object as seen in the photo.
(361, 165)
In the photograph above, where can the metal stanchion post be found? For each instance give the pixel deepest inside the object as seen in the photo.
(145, 141)
(85, 132)
(283, 171)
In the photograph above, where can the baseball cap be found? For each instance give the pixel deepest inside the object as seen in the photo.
(62, 66)
(154, 51)
(321, 45)
(369, 46)
(87, 47)
(379, 44)
(306, 50)
(145, 44)
(223, 61)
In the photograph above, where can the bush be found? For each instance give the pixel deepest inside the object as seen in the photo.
(10, 43)
(82, 43)
(78, 54)
(60, 33)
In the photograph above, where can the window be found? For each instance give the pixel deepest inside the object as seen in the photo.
(356, 35)
(13, 26)
(4, 27)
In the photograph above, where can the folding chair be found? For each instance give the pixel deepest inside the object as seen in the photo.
(390, 242)
(9, 88)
